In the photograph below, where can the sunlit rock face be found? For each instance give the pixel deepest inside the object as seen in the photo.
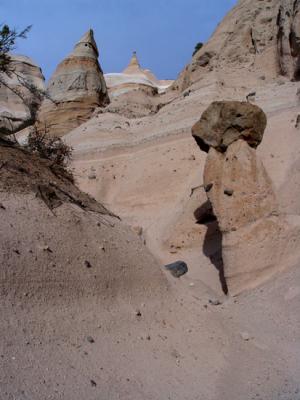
(76, 88)
(15, 99)
(260, 37)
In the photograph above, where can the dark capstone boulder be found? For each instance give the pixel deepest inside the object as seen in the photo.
(224, 122)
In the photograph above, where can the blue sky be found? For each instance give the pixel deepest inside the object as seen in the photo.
(163, 32)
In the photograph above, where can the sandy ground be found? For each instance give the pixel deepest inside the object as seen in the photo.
(123, 329)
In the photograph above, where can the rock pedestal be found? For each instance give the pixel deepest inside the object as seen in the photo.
(76, 88)
(257, 241)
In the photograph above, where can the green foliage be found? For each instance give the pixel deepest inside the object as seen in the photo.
(8, 38)
(198, 46)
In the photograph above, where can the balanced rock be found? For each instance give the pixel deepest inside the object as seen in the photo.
(257, 241)
(225, 122)
(76, 89)
(17, 103)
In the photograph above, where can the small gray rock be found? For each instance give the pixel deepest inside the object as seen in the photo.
(87, 264)
(90, 339)
(177, 268)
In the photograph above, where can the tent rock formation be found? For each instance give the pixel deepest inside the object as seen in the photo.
(135, 77)
(76, 89)
(257, 240)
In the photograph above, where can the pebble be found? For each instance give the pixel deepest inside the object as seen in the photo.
(87, 264)
(90, 339)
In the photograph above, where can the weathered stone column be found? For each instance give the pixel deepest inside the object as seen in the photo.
(255, 236)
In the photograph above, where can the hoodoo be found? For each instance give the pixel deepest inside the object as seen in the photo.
(76, 88)
(242, 196)
(133, 66)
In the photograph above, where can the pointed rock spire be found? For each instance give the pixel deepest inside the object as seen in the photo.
(134, 60)
(86, 46)
(77, 87)
(133, 66)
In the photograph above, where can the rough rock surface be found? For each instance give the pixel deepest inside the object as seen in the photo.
(257, 37)
(76, 89)
(241, 190)
(289, 38)
(225, 122)
(15, 104)
(244, 202)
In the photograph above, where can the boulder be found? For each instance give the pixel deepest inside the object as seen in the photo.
(76, 88)
(16, 101)
(224, 122)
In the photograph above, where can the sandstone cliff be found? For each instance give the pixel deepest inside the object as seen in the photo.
(256, 37)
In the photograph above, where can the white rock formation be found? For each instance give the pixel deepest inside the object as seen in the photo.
(15, 99)
(133, 77)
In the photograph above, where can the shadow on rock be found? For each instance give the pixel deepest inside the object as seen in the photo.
(212, 245)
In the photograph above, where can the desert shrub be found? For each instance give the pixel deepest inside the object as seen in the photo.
(198, 46)
(50, 147)
(8, 38)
